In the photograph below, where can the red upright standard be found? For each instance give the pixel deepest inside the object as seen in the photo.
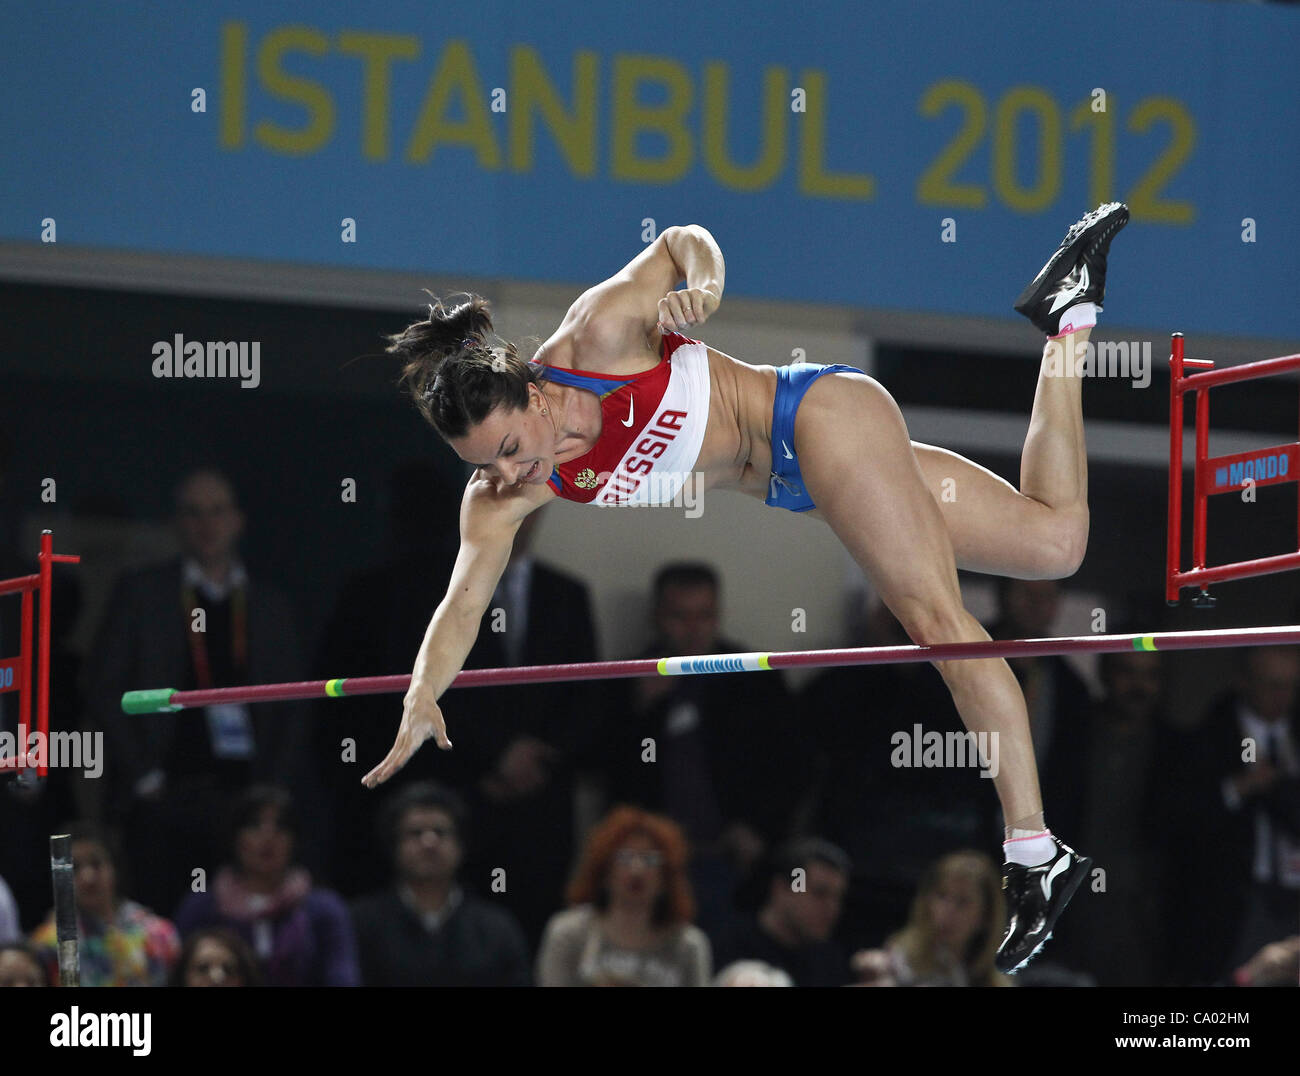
(16, 672)
(1218, 474)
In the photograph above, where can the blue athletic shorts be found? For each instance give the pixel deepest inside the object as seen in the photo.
(785, 488)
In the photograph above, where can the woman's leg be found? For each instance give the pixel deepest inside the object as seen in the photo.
(859, 468)
(866, 482)
(1039, 531)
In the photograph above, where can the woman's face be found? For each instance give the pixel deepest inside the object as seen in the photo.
(956, 911)
(213, 965)
(518, 446)
(19, 969)
(264, 847)
(636, 874)
(94, 878)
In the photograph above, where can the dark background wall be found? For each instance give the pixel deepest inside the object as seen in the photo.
(82, 406)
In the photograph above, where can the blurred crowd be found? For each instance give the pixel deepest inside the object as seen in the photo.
(686, 831)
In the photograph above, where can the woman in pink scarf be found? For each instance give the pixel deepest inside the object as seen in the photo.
(302, 935)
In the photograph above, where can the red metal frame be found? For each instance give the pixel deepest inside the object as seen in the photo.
(1206, 477)
(27, 585)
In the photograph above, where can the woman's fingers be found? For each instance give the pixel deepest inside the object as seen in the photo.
(393, 761)
(421, 721)
(670, 312)
(686, 308)
(439, 729)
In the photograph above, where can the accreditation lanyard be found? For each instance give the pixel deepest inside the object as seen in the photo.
(199, 639)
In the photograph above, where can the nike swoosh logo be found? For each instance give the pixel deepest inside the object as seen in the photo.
(1078, 289)
(1058, 867)
(630, 408)
(788, 454)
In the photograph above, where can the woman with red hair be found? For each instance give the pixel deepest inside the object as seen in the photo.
(629, 920)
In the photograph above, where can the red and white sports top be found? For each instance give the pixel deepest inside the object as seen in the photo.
(651, 430)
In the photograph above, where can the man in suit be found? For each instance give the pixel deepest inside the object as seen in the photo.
(715, 753)
(425, 929)
(1058, 700)
(892, 821)
(1234, 822)
(379, 618)
(517, 748)
(197, 620)
(1114, 933)
(530, 741)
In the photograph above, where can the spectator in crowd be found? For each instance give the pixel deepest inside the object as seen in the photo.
(793, 929)
(198, 620)
(852, 716)
(1233, 832)
(21, 966)
(957, 922)
(725, 764)
(751, 973)
(120, 942)
(215, 956)
(10, 930)
(379, 618)
(529, 740)
(1057, 698)
(629, 920)
(1114, 936)
(1277, 964)
(426, 930)
(301, 934)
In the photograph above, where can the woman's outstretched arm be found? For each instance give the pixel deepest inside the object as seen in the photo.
(489, 519)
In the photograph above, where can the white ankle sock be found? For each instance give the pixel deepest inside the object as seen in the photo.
(1028, 848)
(1079, 316)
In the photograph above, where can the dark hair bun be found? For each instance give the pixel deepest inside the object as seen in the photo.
(456, 370)
(448, 331)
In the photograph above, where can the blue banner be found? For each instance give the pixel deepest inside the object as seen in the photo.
(922, 156)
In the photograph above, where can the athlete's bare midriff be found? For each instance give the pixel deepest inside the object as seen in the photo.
(737, 448)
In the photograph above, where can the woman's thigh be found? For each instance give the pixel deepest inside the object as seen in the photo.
(860, 470)
(994, 527)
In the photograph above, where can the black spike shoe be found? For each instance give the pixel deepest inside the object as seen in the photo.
(1036, 896)
(1076, 273)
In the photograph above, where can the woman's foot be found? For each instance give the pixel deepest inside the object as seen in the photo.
(1075, 274)
(1036, 896)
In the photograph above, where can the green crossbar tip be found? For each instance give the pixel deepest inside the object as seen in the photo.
(154, 700)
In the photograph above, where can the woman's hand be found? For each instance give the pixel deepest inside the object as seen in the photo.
(685, 309)
(421, 720)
